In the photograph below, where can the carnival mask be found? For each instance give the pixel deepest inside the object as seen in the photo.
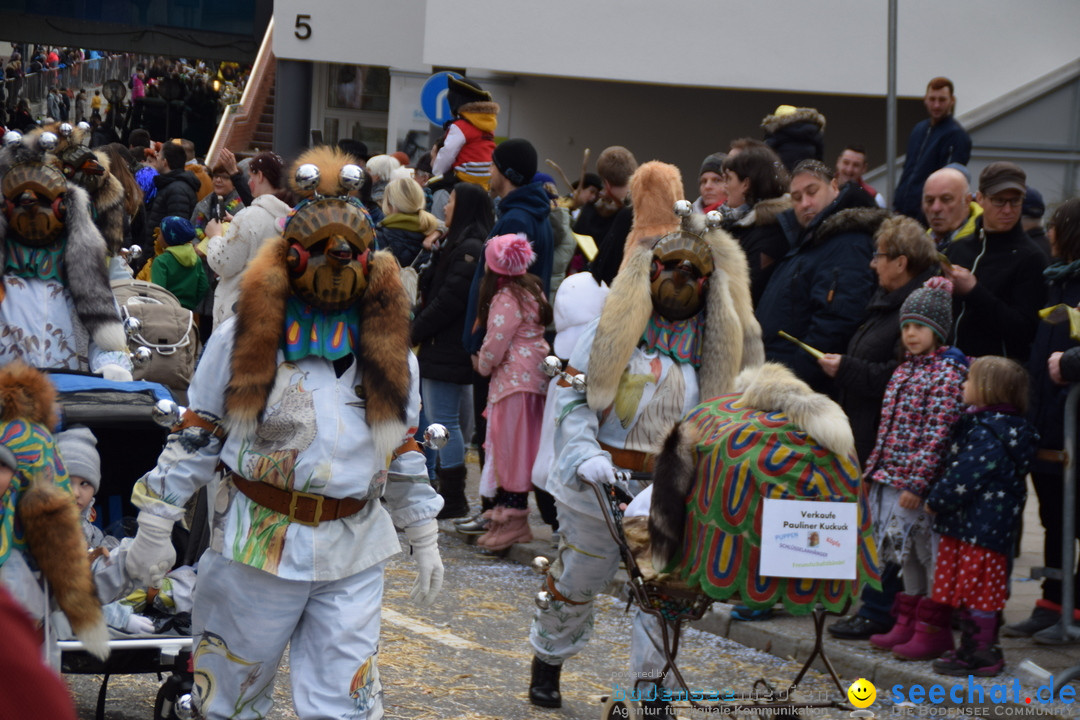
(682, 265)
(82, 167)
(34, 203)
(329, 243)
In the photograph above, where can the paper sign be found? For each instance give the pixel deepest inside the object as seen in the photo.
(807, 539)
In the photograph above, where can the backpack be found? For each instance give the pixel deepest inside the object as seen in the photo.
(167, 329)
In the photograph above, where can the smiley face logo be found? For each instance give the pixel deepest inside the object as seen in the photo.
(862, 693)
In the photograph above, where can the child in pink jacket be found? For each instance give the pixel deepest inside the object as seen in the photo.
(513, 307)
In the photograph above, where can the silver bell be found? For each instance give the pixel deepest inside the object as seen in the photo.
(184, 708)
(552, 366)
(48, 141)
(132, 326)
(543, 599)
(84, 126)
(352, 177)
(66, 130)
(141, 356)
(436, 436)
(541, 564)
(166, 413)
(308, 176)
(578, 383)
(713, 219)
(12, 137)
(683, 208)
(134, 252)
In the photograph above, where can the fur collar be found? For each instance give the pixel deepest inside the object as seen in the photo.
(766, 212)
(382, 352)
(860, 220)
(772, 123)
(487, 107)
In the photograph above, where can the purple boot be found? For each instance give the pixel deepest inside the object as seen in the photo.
(903, 610)
(979, 653)
(933, 634)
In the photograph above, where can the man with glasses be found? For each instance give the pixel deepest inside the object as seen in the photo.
(997, 272)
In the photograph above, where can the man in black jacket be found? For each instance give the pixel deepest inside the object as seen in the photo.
(177, 188)
(997, 277)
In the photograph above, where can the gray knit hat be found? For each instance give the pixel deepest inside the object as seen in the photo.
(930, 305)
(713, 163)
(78, 450)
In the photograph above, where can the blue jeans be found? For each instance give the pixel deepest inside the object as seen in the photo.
(442, 404)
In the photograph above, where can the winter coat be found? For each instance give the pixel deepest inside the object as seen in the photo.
(819, 290)
(176, 195)
(564, 247)
(797, 136)
(930, 147)
(228, 255)
(611, 247)
(514, 347)
(980, 497)
(763, 240)
(1046, 401)
(961, 233)
(180, 271)
(440, 323)
(1000, 315)
(524, 210)
(400, 233)
(872, 355)
(923, 401)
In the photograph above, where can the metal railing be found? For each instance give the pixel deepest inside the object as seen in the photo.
(34, 87)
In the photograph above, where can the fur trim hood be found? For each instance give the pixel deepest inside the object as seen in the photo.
(860, 220)
(381, 353)
(485, 107)
(766, 212)
(732, 334)
(773, 123)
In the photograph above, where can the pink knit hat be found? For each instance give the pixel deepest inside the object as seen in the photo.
(509, 255)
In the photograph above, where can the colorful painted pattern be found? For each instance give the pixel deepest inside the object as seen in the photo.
(27, 262)
(37, 459)
(679, 340)
(311, 332)
(745, 455)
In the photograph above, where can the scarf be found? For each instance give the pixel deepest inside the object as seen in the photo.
(312, 332)
(678, 339)
(1061, 271)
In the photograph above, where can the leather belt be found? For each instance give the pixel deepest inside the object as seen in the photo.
(570, 371)
(1052, 456)
(299, 507)
(633, 460)
(558, 595)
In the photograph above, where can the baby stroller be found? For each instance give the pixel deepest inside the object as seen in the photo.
(733, 454)
(130, 425)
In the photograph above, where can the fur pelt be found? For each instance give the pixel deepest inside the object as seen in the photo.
(623, 319)
(49, 516)
(857, 219)
(766, 212)
(655, 187)
(260, 323)
(773, 387)
(50, 520)
(109, 204)
(673, 480)
(85, 269)
(732, 333)
(381, 355)
(27, 394)
(771, 123)
(330, 161)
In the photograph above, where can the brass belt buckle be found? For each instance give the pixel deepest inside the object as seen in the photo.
(296, 495)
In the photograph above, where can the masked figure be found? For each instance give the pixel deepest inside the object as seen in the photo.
(303, 397)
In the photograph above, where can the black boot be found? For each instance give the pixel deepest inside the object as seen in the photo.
(544, 687)
(452, 489)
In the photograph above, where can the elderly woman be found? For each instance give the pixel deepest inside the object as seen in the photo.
(904, 258)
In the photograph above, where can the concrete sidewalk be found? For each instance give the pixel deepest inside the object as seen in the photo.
(793, 637)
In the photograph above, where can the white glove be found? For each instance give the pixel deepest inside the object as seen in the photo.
(597, 469)
(151, 554)
(139, 625)
(112, 371)
(424, 541)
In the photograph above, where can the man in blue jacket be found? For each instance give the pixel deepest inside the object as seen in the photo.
(820, 289)
(933, 144)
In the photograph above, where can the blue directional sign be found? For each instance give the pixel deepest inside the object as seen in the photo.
(433, 98)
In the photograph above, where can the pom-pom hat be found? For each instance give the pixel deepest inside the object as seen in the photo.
(509, 255)
(930, 305)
